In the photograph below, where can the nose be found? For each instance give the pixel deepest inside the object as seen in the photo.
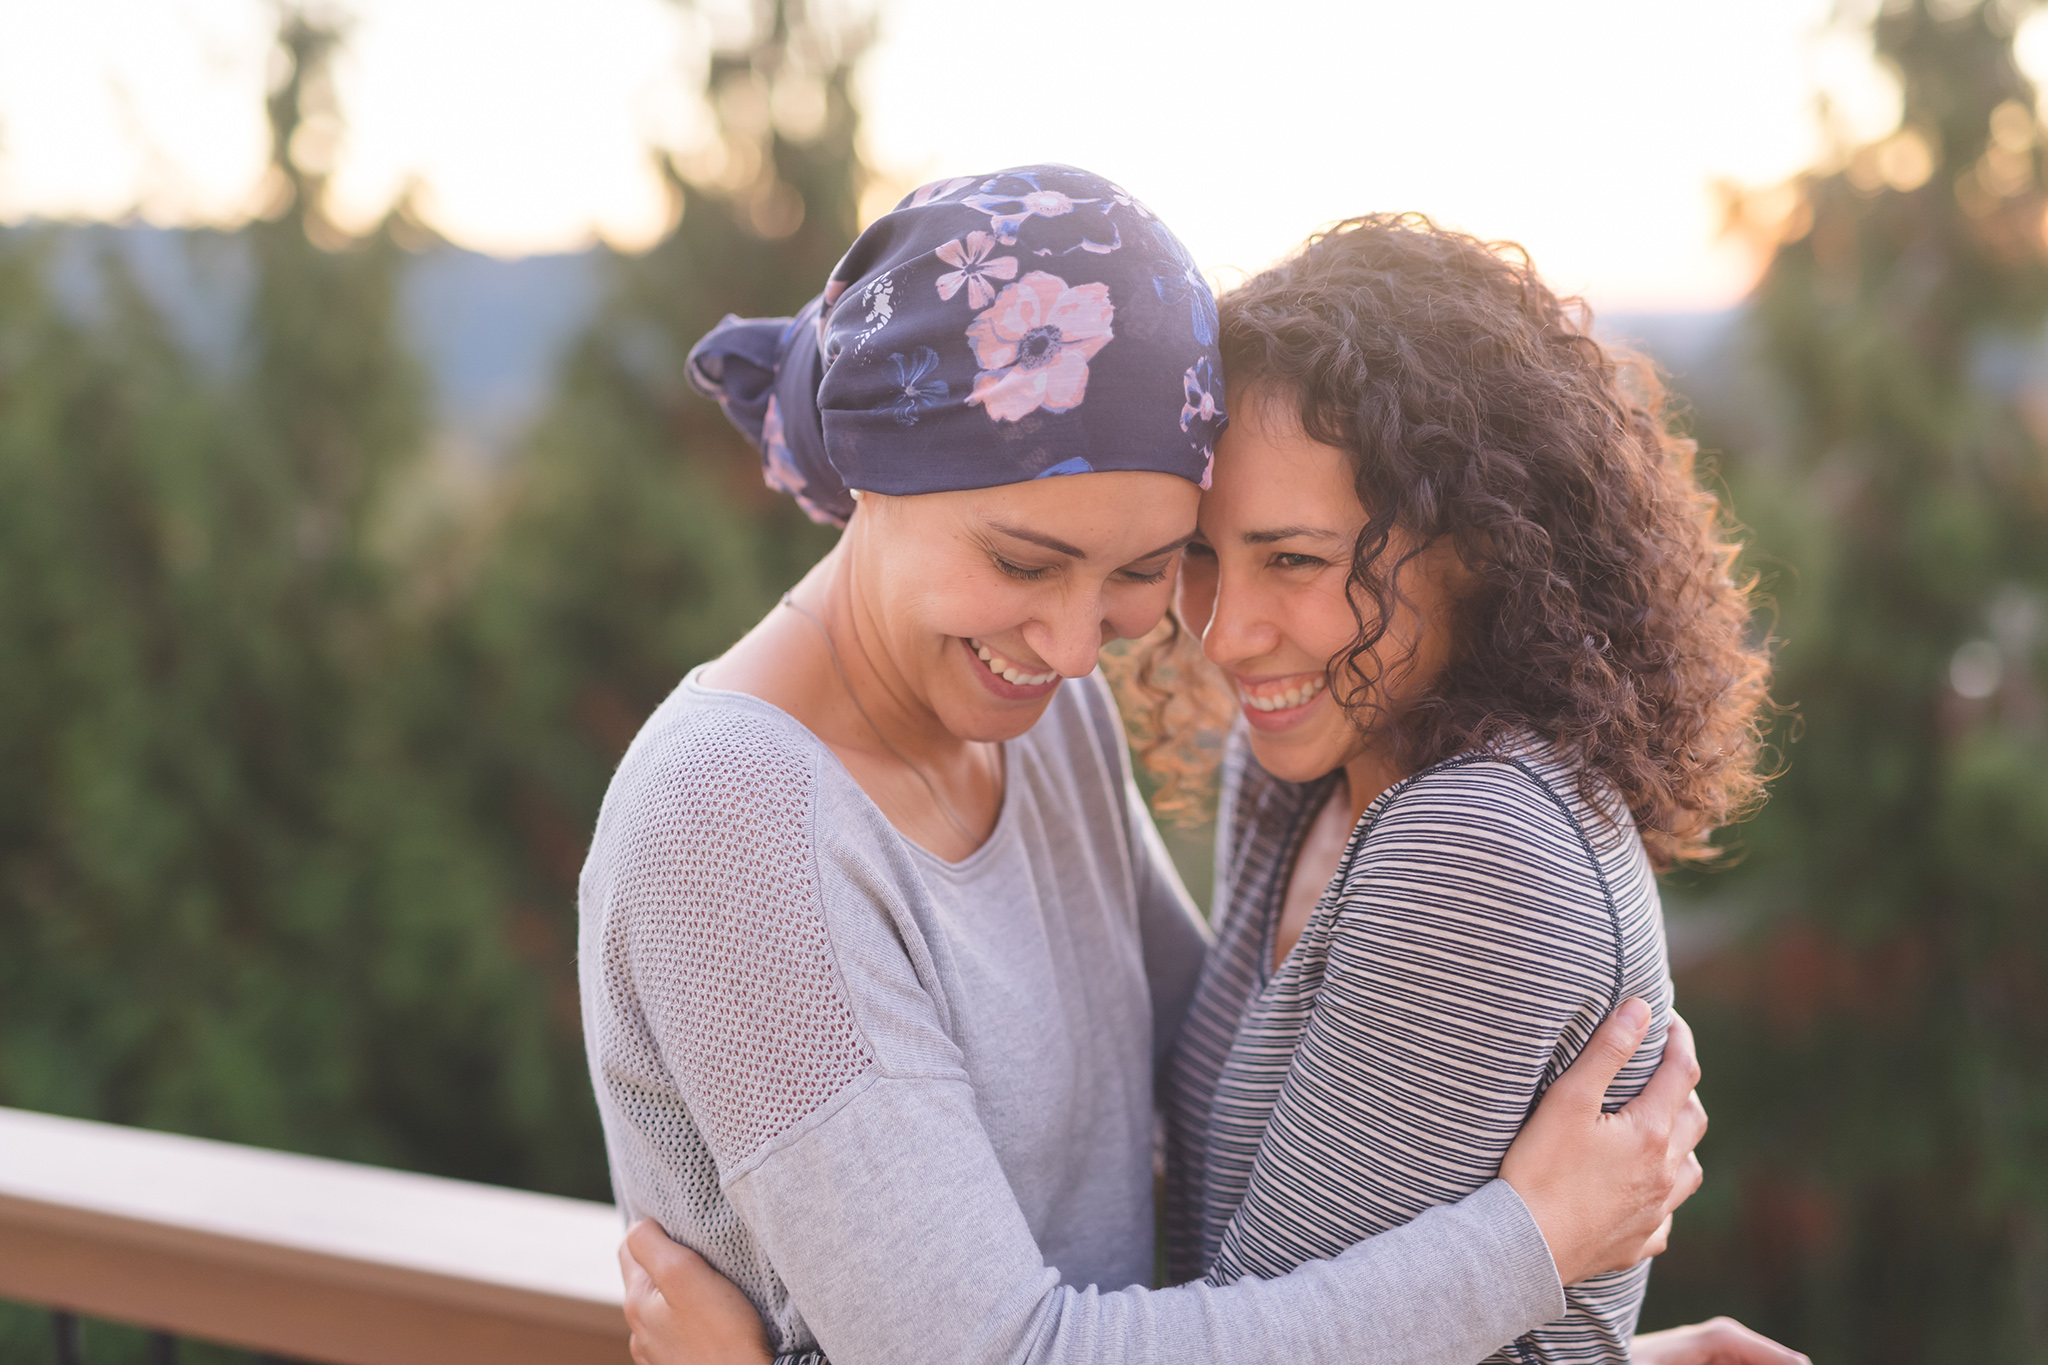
(1069, 638)
(1239, 628)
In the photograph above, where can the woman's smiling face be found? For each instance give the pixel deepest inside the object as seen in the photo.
(985, 599)
(1266, 585)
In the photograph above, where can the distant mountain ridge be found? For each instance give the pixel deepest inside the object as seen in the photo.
(491, 332)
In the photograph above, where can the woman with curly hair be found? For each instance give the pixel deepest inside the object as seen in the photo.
(1476, 611)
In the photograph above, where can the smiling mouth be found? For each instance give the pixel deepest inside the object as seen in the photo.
(1007, 671)
(1286, 698)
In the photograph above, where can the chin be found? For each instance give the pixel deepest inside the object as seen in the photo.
(1297, 759)
(974, 718)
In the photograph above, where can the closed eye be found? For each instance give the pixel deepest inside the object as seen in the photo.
(1157, 575)
(1018, 570)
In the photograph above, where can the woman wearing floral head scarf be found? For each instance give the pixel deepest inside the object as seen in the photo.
(879, 948)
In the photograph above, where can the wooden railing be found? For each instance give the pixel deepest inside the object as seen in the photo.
(300, 1257)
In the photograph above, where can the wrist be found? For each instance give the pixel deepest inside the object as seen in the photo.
(1554, 1223)
(1524, 1249)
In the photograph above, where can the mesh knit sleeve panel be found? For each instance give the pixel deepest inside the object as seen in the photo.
(715, 928)
(1482, 927)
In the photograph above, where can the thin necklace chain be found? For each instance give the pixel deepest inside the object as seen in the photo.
(945, 807)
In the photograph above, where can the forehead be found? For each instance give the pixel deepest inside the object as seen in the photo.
(1102, 512)
(1270, 473)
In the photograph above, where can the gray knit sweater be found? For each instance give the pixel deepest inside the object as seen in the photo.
(907, 1105)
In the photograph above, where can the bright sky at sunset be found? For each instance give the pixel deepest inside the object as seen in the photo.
(1591, 130)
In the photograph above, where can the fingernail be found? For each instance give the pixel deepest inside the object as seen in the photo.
(1634, 1013)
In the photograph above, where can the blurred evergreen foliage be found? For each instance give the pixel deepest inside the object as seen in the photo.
(635, 538)
(298, 776)
(1876, 1034)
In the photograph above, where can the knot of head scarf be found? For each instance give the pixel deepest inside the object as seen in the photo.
(989, 330)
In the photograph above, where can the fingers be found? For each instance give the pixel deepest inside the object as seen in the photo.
(1660, 1240)
(1607, 1052)
(1722, 1341)
(1730, 1343)
(1685, 1184)
(641, 1294)
(1690, 1125)
(631, 1271)
(1676, 1075)
(665, 1262)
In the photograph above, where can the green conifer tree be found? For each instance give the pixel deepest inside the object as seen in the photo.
(1876, 1042)
(637, 539)
(239, 896)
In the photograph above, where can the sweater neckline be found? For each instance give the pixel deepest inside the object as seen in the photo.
(1006, 817)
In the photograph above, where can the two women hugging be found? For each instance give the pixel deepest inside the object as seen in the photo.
(887, 977)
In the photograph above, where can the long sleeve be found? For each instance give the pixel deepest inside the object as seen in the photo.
(891, 1224)
(1473, 943)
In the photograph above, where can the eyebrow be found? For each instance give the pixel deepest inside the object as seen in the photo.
(1061, 547)
(1290, 533)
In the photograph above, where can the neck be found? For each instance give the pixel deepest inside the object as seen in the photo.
(1369, 774)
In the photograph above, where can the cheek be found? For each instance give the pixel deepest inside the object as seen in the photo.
(1323, 620)
(975, 611)
(1133, 610)
(1415, 645)
(955, 596)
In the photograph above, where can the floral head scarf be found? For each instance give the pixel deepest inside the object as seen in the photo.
(989, 330)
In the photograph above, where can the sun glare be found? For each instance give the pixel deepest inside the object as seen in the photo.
(1592, 131)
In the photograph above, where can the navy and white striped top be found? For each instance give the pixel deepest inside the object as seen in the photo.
(1483, 921)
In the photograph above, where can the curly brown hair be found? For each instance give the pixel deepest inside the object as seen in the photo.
(1603, 614)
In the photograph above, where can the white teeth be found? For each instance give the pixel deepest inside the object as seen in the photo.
(1299, 695)
(1008, 671)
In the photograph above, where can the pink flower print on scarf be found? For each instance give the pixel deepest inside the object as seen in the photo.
(1201, 416)
(1034, 345)
(973, 268)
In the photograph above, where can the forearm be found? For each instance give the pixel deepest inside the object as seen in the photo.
(891, 1266)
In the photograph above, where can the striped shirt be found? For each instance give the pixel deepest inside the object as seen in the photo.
(1484, 919)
